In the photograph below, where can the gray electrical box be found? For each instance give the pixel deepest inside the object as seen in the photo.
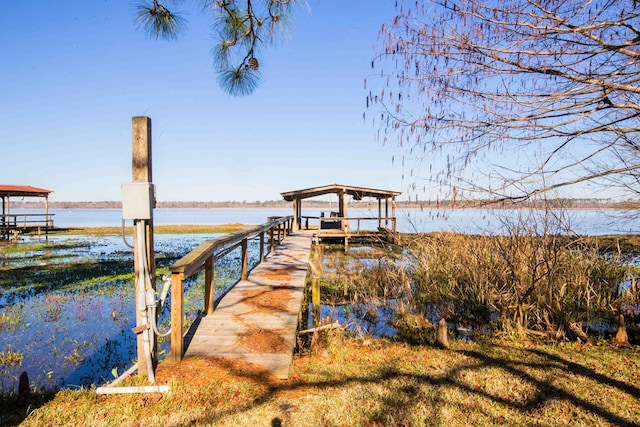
(138, 200)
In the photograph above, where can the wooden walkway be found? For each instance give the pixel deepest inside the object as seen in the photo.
(257, 320)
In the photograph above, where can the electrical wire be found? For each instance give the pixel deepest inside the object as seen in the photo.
(124, 237)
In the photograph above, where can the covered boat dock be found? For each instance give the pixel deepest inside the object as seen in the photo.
(339, 224)
(11, 224)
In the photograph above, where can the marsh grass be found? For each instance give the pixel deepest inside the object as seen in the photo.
(369, 382)
(14, 249)
(379, 382)
(550, 284)
(158, 229)
(9, 357)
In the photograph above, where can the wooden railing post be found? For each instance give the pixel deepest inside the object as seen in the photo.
(209, 284)
(177, 315)
(261, 248)
(271, 241)
(315, 284)
(245, 260)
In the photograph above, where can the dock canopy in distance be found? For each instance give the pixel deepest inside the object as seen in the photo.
(358, 193)
(342, 220)
(22, 191)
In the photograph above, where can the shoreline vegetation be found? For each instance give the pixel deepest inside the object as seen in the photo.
(627, 243)
(158, 229)
(364, 204)
(355, 379)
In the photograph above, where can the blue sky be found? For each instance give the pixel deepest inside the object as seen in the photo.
(74, 72)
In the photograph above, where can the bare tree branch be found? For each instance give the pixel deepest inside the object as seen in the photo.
(513, 98)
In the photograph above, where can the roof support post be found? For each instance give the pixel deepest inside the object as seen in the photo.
(393, 213)
(297, 213)
(342, 209)
(3, 221)
(47, 220)
(386, 212)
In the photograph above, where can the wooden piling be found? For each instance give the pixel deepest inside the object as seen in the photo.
(142, 172)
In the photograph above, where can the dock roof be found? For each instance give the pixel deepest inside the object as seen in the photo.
(357, 192)
(22, 191)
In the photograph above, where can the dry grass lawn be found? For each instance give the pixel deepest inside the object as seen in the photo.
(378, 383)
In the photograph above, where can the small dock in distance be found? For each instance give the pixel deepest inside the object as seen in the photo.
(339, 225)
(11, 224)
(256, 321)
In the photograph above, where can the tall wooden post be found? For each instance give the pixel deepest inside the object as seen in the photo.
(142, 172)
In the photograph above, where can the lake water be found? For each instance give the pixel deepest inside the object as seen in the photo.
(585, 222)
(71, 327)
(74, 329)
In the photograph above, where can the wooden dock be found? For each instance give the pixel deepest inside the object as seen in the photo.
(256, 321)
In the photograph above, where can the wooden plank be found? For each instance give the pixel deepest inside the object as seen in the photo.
(257, 320)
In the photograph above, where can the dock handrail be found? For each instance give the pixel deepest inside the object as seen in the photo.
(14, 223)
(27, 220)
(387, 222)
(204, 256)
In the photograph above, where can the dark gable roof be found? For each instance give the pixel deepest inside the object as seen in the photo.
(22, 191)
(357, 192)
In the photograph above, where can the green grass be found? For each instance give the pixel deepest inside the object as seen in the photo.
(15, 249)
(158, 229)
(377, 383)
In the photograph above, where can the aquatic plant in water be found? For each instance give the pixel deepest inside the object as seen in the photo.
(80, 312)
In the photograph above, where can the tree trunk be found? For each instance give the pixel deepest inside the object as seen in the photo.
(441, 335)
(621, 338)
(24, 389)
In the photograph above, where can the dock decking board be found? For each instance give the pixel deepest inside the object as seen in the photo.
(257, 320)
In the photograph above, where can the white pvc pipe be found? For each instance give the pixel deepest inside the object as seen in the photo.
(130, 390)
(125, 375)
(142, 304)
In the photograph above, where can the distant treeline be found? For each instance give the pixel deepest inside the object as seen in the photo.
(365, 204)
